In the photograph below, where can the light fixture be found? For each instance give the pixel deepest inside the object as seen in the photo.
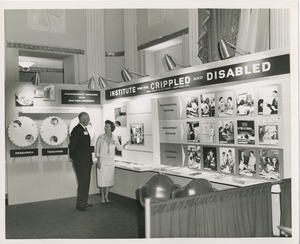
(36, 80)
(91, 82)
(227, 49)
(25, 64)
(103, 84)
(171, 64)
(127, 74)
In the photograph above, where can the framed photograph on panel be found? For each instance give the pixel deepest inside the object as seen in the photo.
(49, 93)
(245, 103)
(247, 162)
(23, 100)
(226, 132)
(225, 104)
(208, 132)
(268, 100)
(210, 158)
(121, 116)
(227, 160)
(268, 131)
(194, 157)
(117, 152)
(245, 132)
(208, 105)
(269, 163)
(193, 131)
(137, 134)
(192, 107)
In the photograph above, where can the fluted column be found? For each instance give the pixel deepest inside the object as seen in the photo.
(130, 39)
(193, 37)
(279, 28)
(95, 43)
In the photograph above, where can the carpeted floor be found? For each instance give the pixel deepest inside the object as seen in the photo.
(122, 218)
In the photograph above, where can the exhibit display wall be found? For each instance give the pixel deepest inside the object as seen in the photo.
(225, 128)
(38, 123)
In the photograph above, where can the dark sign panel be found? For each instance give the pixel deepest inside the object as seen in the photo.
(80, 97)
(54, 151)
(278, 65)
(24, 153)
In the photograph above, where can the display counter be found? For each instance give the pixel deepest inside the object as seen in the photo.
(213, 177)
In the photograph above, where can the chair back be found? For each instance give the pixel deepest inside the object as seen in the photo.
(158, 188)
(195, 187)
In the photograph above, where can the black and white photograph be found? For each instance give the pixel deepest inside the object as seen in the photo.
(193, 131)
(247, 162)
(192, 107)
(245, 103)
(245, 132)
(137, 134)
(208, 132)
(226, 131)
(268, 100)
(225, 104)
(112, 110)
(210, 158)
(194, 157)
(269, 164)
(208, 105)
(268, 131)
(120, 116)
(227, 160)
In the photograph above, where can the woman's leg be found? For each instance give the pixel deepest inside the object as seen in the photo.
(106, 194)
(102, 191)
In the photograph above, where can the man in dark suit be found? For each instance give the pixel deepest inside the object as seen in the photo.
(81, 155)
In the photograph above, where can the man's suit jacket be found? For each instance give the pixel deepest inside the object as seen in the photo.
(79, 148)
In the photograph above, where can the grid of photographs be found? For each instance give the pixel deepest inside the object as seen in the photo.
(230, 132)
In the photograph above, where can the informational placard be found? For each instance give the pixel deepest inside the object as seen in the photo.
(54, 151)
(266, 67)
(24, 153)
(80, 97)
(170, 131)
(169, 108)
(171, 154)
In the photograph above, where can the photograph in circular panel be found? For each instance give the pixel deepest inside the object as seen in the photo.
(75, 122)
(53, 131)
(22, 131)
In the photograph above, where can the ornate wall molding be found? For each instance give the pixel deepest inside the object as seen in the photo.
(39, 69)
(163, 39)
(44, 48)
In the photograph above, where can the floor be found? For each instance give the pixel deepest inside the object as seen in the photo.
(122, 218)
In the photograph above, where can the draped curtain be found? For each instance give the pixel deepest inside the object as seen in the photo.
(254, 30)
(215, 24)
(238, 212)
(286, 203)
(247, 29)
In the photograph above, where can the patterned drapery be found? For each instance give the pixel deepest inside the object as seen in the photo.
(216, 24)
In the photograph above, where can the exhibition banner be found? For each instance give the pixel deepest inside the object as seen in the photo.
(80, 97)
(266, 67)
(24, 153)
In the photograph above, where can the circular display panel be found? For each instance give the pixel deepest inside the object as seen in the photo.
(53, 130)
(22, 131)
(75, 122)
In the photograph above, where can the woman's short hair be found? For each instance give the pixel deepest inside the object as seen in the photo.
(112, 125)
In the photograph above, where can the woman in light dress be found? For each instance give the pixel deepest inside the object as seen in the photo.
(105, 153)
